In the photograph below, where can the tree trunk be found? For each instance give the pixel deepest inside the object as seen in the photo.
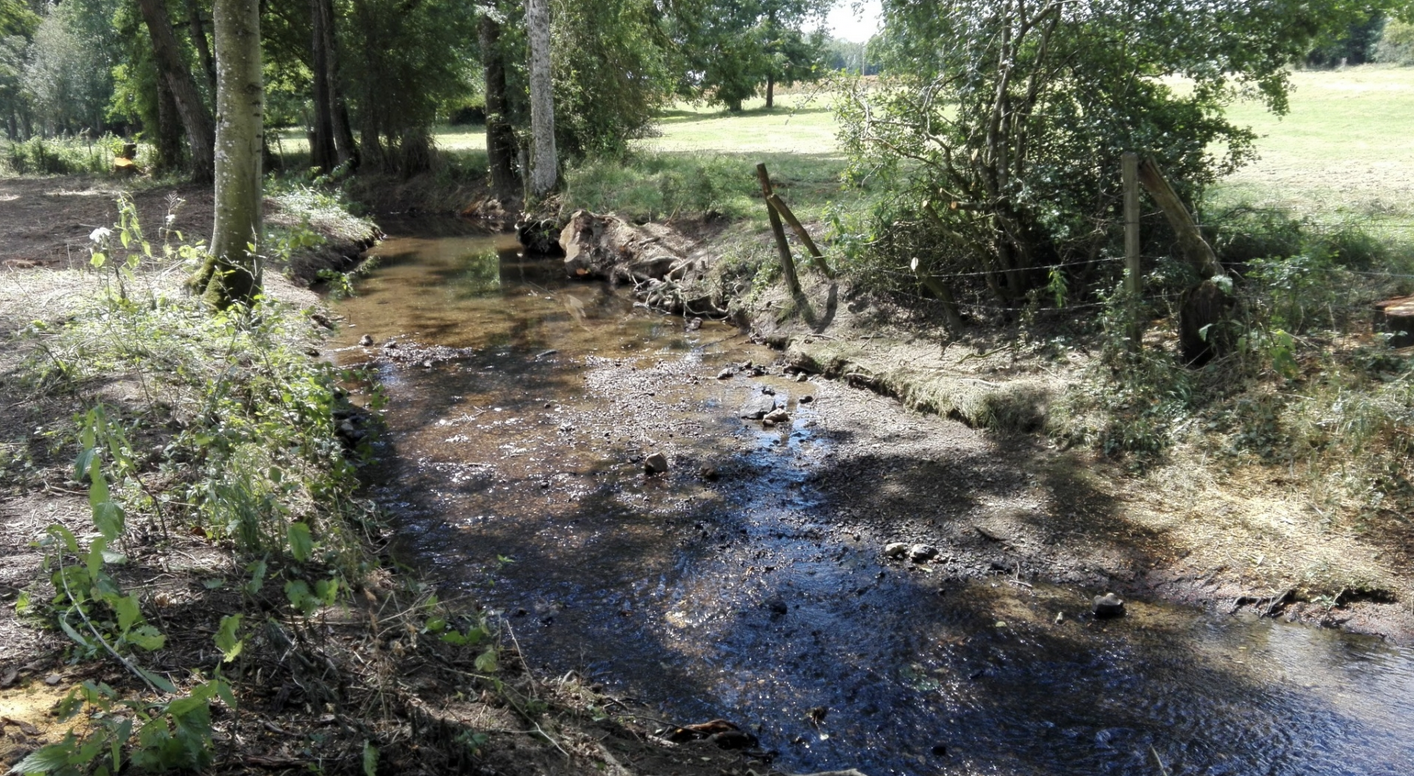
(1205, 308)
(203, 48)
(233, 272)
(195, 119)
(770, 91)
(169, 130)
(544, 173)
(500, 138)
(322, 154)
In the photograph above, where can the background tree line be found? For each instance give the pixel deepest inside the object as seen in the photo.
(368, 79)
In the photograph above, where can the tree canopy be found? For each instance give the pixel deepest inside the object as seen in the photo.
(1001, 124)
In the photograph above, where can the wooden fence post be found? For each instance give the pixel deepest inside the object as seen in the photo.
(816, 256)
(1209, 304)
(783, 247)
(1133, 266)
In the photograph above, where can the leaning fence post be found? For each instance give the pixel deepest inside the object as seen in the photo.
(1133, 266)
(783, 247)
(816, 256)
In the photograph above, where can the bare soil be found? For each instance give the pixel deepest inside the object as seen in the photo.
(1218, 534)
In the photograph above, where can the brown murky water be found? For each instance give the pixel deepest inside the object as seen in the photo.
(735, 585)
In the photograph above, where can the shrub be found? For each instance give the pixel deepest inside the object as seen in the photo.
(1396, 43)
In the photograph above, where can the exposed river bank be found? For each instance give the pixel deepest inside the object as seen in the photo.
(749, 582)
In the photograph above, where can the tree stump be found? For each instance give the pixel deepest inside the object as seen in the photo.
(1396, 316)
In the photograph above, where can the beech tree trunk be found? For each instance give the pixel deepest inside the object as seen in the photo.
(232, 275)
(500, 138)
(195, 119)
(544, 171)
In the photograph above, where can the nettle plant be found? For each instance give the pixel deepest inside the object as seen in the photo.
(172, 730)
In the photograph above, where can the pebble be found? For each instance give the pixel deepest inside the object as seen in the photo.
(366, 340)
(921, 552)
(895, 549)
(726, 374)
(53, 679)
(655, 463)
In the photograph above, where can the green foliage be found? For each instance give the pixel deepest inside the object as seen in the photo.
(611, 75)
(158, 736)
(1396, 43)
(401, 62)
(1002, 124)
(658, 186)
(68, 73)
(730, 49)
(59, 156)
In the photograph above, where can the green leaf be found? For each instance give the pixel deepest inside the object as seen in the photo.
(83, 462)
(301, 544)
(93, 561)
(108, 518)
(226, 640)
(73, 634)
(127, 610)
(370, 759)
(224, 691)
(486, 661)
(297, 591)
(257, 577)
(120, 737)
(47, 759)
(327, 590)
(146, 637)
(66, 536)
(184, 706)
(158, 681)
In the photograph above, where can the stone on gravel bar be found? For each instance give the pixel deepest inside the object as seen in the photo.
(1108, 605)
(921, 552)
(655, 463)
(366, 340)
(726, 374)
(895, 549)
(758, 406)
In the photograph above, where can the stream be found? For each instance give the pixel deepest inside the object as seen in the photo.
(748, 582)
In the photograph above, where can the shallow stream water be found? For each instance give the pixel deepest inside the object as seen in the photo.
(736, 586)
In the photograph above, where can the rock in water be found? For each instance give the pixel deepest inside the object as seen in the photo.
(1108, 605)
(758, 406)
(656, 463)
(776, 416)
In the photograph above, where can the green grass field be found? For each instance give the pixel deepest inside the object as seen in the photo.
(1345, 150)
